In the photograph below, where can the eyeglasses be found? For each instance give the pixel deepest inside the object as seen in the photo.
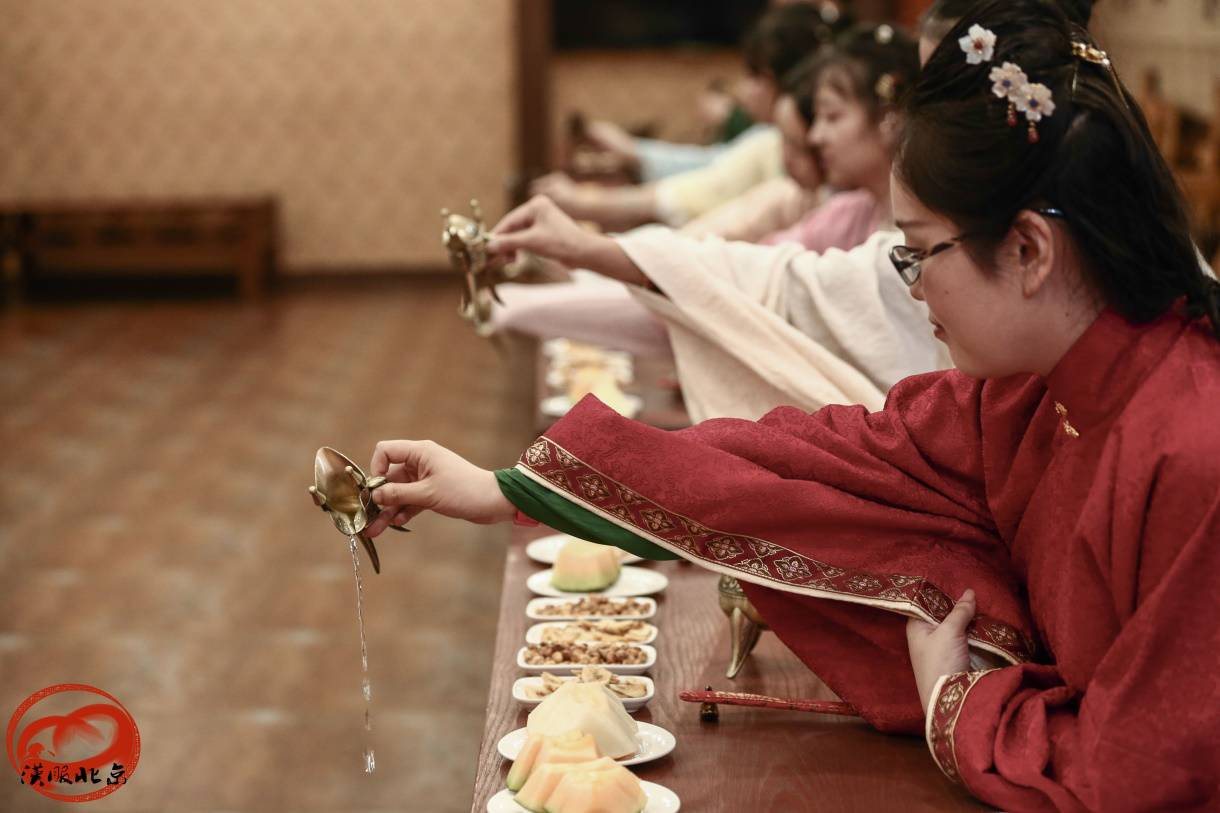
(909, 261)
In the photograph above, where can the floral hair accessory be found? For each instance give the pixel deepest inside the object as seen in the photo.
(1006, 80)
(829, 12)
(1035, 101)
(978, 44)
(1009, 82)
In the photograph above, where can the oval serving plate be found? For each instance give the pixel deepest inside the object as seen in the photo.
(653, 742)
(630, 703)
(660, 800)
(545, 549)
(650, 660)
(632, 581)
(533, 635)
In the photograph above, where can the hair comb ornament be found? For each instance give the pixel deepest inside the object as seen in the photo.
(1008, 82)
(1088, 53)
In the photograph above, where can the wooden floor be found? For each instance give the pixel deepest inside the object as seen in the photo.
(157, 541)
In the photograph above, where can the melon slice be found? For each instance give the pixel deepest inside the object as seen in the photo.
(582, 566)
(589, 789)
(540, 749)
(591, 708)
(545, 778)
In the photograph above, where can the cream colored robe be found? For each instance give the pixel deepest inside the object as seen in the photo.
(753, 327)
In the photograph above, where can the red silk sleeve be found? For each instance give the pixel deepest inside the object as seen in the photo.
(1141, 735)
(885, 514)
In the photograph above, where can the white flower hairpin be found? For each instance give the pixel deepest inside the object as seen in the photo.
(1035, 101)
(1009, 82)
(979, 44)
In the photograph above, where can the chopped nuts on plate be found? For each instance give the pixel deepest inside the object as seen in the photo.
(590, 631)
(560, 609)
(631, 659)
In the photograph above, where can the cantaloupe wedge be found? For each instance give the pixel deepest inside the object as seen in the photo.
(582, 566)
(597, 790)
(544, 779)
(591, 708)
(541, 749)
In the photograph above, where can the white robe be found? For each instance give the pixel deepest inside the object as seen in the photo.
(754, 327)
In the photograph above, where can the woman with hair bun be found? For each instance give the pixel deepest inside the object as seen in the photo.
(1017, 558)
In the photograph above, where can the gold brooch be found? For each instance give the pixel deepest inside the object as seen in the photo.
(1068, 429)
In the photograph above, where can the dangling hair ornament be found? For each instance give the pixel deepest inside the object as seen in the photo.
(1008, 82)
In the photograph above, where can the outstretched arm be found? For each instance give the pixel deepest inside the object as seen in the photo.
(611, 207)
(424, 476)
(541, 227)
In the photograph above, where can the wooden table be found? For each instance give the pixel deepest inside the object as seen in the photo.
(752, 759)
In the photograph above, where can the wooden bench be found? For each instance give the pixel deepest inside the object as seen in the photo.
(115, 238)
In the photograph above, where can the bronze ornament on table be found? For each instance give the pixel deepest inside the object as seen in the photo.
(745, 624)
(341, 489)
(466, 240)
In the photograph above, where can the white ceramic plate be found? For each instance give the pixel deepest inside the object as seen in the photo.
(533, 635)
(660, 800)
(534, 608)
(558, 405)
(545, 549)
(654, 743)
(650, 660)
(632, 581)
(629, 703)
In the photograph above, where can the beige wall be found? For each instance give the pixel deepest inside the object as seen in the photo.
(1175, 36)
(637, 87)
(363, 116)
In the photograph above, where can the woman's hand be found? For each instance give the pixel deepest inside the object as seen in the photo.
(541, 227)
(938, 650)
(424, 476)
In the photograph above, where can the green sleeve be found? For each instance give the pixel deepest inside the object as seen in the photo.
(554, 510)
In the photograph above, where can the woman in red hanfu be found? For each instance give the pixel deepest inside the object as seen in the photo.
(1019, 557)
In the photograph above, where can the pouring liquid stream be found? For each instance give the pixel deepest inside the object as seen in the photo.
(370, 760)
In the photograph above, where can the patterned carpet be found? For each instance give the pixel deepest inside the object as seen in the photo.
(157, 541)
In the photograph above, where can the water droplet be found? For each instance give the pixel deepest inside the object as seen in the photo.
(370, 762)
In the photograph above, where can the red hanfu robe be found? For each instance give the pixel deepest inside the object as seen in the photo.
(1083, 508)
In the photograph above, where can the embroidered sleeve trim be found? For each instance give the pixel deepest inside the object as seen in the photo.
(756, 560)
(948, 698)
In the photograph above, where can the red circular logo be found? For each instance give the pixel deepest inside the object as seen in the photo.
(73, 742)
